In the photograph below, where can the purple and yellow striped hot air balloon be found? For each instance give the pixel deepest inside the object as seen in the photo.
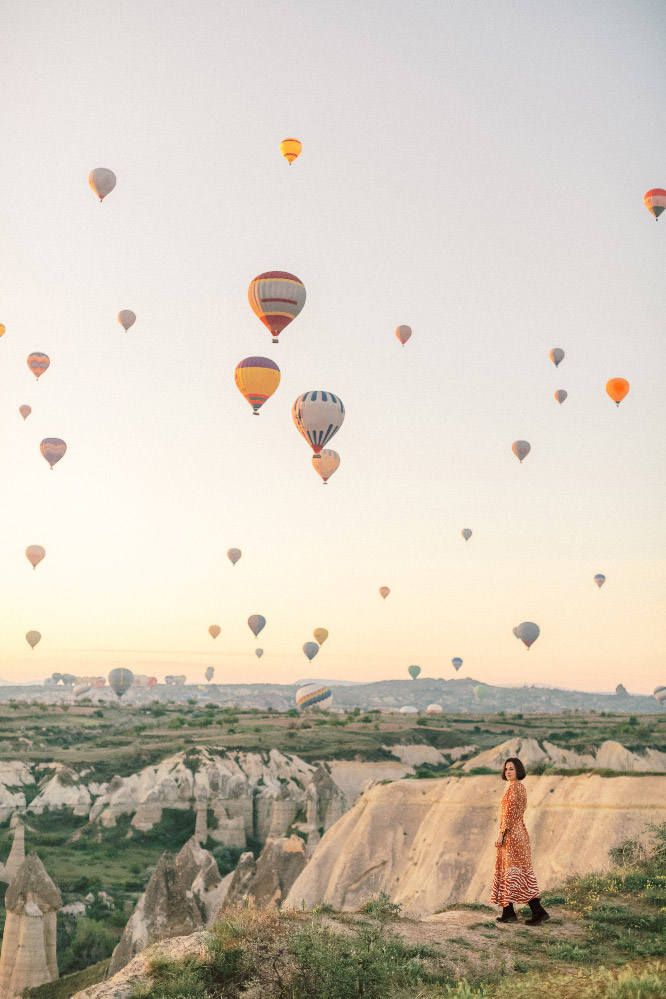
(38, 363)
(314, 695)
(52, 449)
(257, 378)
(276, 297)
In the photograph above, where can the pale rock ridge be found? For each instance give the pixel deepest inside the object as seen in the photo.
(121, 983)
(16, 854)
(266, 882)
(430, 842)
(28, 955)
(610, 756)
(63, 790)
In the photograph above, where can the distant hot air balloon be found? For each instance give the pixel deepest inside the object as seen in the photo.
(210, 673)
(521, 449)
(318, 416)
(25, 411)
(290, 149)
(256, 623)
(68, 679)
(515, 632)
(325, 463)
(413, 671)
(233, 555)
(34, 554)
(120, 680)
(310, 649)
(314, 696)
(655, 201)
(257, 379)
(600, 579)
(126, 318)
(2, 330)
(321, 635)
(481, 692)
(434, 709)
(659, 694)
(561, 395)
(409, 709)
(151, 682)
(180, 680)
(528, 632)
(384, 590)
(169, 680)
(276, 297)
(57, 677)
(403, 334)
(38, 363)
(100, 681)
(556, 355)
(214, 630)
(466, 533)
(456, 663)
(102, 181)
(32, 637)
(617, 388)
(52, 449)
(258, 653)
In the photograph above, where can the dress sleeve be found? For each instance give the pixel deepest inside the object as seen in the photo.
(513, 810)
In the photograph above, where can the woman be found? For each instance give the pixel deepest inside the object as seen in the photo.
(514, 879)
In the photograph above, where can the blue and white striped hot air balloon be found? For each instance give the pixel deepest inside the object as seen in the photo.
(318, 417)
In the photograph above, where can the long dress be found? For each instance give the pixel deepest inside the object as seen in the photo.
(514, 880)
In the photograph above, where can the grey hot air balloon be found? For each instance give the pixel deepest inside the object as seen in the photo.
(120, 680)
(521, 449)
(126, 318)
(210, 673)
(515, 632)
(311, 649)
(561, 395)
(102, 180)
(556, 355)
(258, 653)
(256, 623)
(466, 533)
(233, 555)
(528, 632)
(456, 663)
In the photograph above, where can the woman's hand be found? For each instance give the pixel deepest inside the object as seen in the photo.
(499, 842)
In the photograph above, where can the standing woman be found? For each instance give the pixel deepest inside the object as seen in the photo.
(513, 880)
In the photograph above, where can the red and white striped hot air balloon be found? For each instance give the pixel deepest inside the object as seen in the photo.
(52, 449)
(276, 297)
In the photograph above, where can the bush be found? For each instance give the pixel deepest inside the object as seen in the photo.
(226, 857)
(381, 907)
(89, 943)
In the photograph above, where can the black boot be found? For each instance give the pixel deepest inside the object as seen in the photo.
(539, 914)
(508, 915)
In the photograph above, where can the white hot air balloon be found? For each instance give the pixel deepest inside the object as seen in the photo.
(126, 318)
(318, 416)
(521, 449)
(102, 181)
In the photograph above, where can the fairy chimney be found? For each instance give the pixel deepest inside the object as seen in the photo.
(28, 955)
(16, 854)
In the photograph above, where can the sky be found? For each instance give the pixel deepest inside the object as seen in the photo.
(480, 178)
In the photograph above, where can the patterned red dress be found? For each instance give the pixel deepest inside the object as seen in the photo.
(514, 880)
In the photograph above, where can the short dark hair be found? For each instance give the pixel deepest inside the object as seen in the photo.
(520, 769)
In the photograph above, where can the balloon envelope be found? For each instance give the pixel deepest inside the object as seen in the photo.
(102, 180)
(2, 330)
(38, 363)
(434, 709)
(384, 590)
(318, 416)
(600, 579)
(481, 692)
(256, 622)
(290, 149)
(409, 709)
(57, 677)
(521, 449)
(617, 388)
(276, 297)
(660, 694)
(326, 463)
(413, 671)
(52, 449)
(311, 649)
(210, 673)
(258, 653)
(556, 355)
(32, 637)
(561, 395)
(321, 635)
(457, 663)
(466, 533)
(214, 630)
(25, 411)
(151, 681)
(233, 555)
(257, 379)
(126, 318)
(528, 632)
(515, 632)
(655, 201)
(120, 680)
(314, 695)
(35, 554)
(403, 334)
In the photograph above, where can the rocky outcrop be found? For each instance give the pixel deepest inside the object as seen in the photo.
(266, 882)
(609, 756)
(121, 984)
(29, 942)
(430, 842)
(16, 857)
(63, 790)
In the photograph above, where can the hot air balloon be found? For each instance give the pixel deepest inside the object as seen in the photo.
(311, 649)
(256, 623)
(2, 330)
(457, 663)
(82, 689)
(126, 318)
(521, 449)
(617, 388)
(466, 533)
(403, 334)
(326, 463)
(151, 682)
(409, 709)
(169, 680)
(659, 694)
(321, 635)
(655, 201)
(481, 692)
(120, 680)
(68, 679)
(233, 555)
(314, 695)
(100, 681)
(34, 554)
(102, 181)
(38, 363)
(214, 630)
(434, 709)
(384, 590)
(318, 417)
(32, 637)
(276, 297)
(528, 632)
(210, 673)
(52, 449)
(561, 395)
(25, 411)
(57, 677)
(258, 653)
(600, 579)
(290, 149)
(556, 355)
(257, 379)
(413, 671)
(515, 632)
(180, 680)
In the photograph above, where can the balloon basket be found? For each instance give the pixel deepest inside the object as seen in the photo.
(275, 340)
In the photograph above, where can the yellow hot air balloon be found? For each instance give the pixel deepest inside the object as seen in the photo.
(2, 329)
(290, 149)
(321, 635)
(34, 555)
(257, 379)
(617, 388)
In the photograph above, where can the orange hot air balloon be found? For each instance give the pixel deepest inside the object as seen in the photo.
(34, 554)
(617, 388)
(214, 630)
(290, 149)
(655, 201)
(384, 590)
(52, 449)
(2, 330)
(276, 297)
(38, 363)
(25, 411)
(257, 379)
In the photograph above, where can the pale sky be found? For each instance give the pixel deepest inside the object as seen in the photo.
(475, 170)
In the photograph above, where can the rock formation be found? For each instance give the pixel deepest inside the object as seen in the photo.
(29, 943)
(16, 854)
(430, 842)
(266, 882)
(609, 756)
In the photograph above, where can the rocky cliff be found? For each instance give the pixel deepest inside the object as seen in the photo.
(430, 842)
(29, 941)
(609, 756)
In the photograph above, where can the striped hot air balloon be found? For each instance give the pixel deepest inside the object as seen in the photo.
(314, 695)
(52, 449)
(25, 411)
(326, 463)
(38, 363)
(318, 416)
(276, 297)
(290, 149)
(659, 695)
(600, 579)
(121, 680)
(655, 201)
(257, 379)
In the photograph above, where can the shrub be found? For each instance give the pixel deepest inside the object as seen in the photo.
(89, 943)
(381, 907)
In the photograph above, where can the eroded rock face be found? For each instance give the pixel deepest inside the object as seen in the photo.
(609, 756)
(63, 790)
(29, 942)
(266, 882)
